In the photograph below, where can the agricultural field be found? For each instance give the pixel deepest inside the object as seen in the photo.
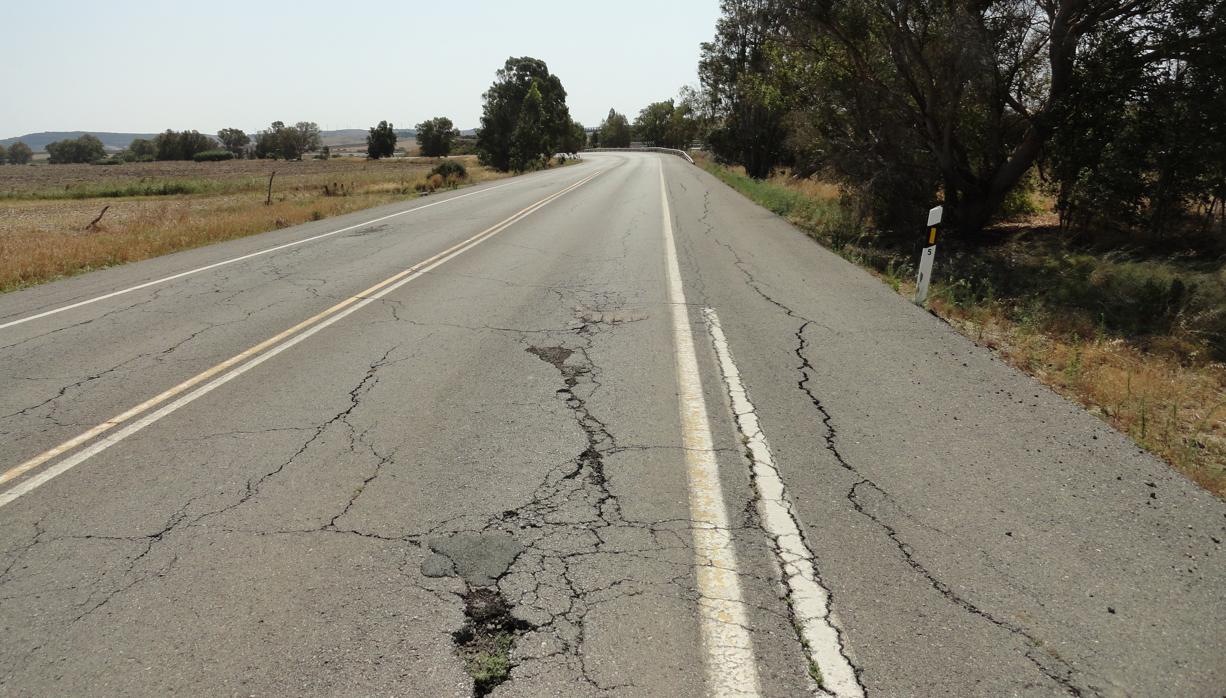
(155, 208)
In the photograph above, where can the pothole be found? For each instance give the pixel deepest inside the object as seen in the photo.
(489, 633)
(486, 640)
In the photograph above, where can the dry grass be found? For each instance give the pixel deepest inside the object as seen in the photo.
(1173, 409)
(1161, 391)
(42, 237)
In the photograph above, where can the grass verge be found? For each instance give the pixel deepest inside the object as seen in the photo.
(1136, 341)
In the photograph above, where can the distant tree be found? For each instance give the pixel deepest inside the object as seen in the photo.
(381, 141)
(166, 146)
(288, 142)
(652, 124)
(683, 127)
(234, 140)
(4, 155)
(615, 131)
(307, 137)
(666, 125)
(181, 145)
(20, 153)
(435, 136)
(575, 139)
(87, 148)
(593, 139)
(530, 142)
(268, 142)
(140, 150)
(501, 132)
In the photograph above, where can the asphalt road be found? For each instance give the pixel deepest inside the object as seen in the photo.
(612, 415)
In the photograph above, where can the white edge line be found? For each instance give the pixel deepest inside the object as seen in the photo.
(810, 602)
(731, 665)
(245, 257)
(36, 481)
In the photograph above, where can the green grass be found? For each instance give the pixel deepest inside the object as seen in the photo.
(815, 673)
(785, 202)
(491, 666)
(126, 188)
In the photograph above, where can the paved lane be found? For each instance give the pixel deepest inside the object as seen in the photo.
(509, 444)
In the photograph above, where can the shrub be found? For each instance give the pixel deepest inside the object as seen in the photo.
(450, 169)
(1138, 298)
(214, 155)
(1020, 202)
(436, 181)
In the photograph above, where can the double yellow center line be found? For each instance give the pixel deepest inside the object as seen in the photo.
(240, 363)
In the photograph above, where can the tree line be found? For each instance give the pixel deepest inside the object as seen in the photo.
(1116, 105)
(667, 124)
(281, 141)
(278, 141)
(435, 138)
(525, 121)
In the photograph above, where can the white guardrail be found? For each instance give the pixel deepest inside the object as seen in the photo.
(642, 149)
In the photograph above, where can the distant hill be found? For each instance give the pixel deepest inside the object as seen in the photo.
(344, 136)
(38, 141)
(357, 136)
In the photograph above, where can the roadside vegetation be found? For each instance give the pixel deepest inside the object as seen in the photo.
(1077, 148)
(154, 208)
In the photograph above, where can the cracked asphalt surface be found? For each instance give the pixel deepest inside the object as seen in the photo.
(507, 426)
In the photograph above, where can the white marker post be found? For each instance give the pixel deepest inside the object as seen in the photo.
(928, 255)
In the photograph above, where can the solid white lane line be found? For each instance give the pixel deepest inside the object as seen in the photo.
(242, 258)
(311, 325)
(810, 602)
(731, 667)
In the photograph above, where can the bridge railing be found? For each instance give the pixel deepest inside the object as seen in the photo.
(643, 149)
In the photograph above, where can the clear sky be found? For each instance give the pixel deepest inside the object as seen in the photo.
(126, 65)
